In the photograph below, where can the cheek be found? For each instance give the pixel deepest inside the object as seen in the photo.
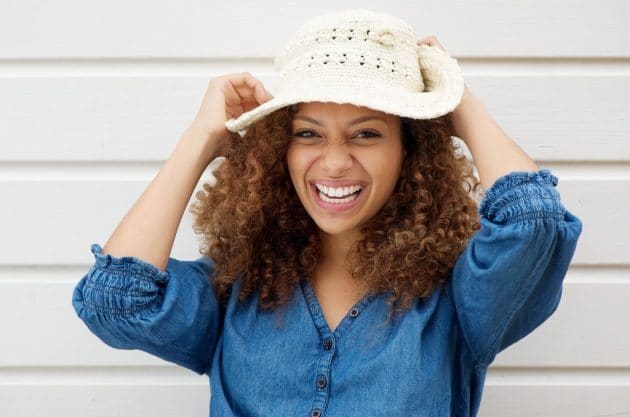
(297, 163)
(292, 165)
(383, 166)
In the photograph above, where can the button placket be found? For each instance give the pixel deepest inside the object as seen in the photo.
(329, 341)
(318, 317)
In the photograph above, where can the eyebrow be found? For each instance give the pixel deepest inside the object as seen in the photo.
(354, 122)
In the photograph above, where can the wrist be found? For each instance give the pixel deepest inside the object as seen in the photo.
(466, 101)
(464, 113)
(202, 141)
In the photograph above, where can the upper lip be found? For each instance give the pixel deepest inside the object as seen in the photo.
(339, 183)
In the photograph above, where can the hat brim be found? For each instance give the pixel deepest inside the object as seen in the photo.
(443, 92)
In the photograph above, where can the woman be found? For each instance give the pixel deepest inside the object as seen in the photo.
(338, 207)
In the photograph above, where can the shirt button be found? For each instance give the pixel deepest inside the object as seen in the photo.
(315, 413)
(327, 344)
(354, 312)
(321, 381)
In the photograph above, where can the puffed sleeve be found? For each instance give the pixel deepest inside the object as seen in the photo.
(131, 304)
(508, 280)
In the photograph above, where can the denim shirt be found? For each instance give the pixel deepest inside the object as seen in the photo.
(431, 361)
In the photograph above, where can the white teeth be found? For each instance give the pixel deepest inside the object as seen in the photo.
(345, 200)
(338, 191)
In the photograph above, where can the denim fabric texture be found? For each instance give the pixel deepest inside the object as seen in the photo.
(431, 361)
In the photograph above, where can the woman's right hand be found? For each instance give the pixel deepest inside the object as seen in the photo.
(228, 96)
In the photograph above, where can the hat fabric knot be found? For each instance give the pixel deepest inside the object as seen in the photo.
(381, 35)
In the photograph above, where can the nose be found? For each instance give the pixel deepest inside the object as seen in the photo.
(336, 159)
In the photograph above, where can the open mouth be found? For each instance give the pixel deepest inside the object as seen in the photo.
(334, 203)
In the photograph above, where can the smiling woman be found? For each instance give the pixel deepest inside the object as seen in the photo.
(341, 151)
(347, 208)
(412, 211)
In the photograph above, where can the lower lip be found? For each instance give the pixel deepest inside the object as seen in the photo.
(336, 206)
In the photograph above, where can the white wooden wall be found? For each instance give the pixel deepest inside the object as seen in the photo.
(94, 96)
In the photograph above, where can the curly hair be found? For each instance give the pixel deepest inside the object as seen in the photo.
(254, 226)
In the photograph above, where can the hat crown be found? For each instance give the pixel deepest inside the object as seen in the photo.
(364, 58)
(361, 44)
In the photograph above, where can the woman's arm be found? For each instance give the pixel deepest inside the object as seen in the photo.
(172, 314)
(493, 152)
(148, 230)
(135, 296)
(508, 280)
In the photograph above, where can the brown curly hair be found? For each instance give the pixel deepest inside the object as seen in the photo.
(254, 226)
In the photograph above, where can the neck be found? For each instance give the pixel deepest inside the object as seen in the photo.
(335, 248)
(332, 271)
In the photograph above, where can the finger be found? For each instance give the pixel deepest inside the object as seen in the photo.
(242, 93)
(250, 87)
(239, 98)
(248, 101)
(240, 105)
(232, 96)
(259, 90)
(234, 104)
(434, 44)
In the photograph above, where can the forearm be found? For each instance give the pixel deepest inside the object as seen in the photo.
(493, 152)
(148, 229)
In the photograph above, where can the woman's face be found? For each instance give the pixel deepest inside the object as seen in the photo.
(344, 162)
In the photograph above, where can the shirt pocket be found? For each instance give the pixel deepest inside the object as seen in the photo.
(129, 303)
(508, 280)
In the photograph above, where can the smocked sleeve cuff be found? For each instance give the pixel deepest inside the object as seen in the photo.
(131, 304)
(522, 195)
(122, 285)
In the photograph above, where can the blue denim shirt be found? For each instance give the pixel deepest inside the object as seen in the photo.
(432, 361)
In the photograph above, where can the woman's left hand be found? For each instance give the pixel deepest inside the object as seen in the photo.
(433, 41)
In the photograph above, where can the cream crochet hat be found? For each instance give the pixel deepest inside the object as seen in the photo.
(364, 58)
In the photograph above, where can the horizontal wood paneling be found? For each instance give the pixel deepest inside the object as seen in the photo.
(194, 28)
(80, 212)
(160, 399)
(163, 399)
(140, 118)
(96, 95)
(589, 312)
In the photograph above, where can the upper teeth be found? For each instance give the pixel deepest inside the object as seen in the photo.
(338, 191)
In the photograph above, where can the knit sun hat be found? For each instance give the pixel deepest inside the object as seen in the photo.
(365, 58)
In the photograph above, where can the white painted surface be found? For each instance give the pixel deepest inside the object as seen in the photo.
(95, 95)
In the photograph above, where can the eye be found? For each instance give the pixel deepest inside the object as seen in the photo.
(370, 133)
(299, 134)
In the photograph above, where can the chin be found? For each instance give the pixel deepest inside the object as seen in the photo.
(338, 227)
